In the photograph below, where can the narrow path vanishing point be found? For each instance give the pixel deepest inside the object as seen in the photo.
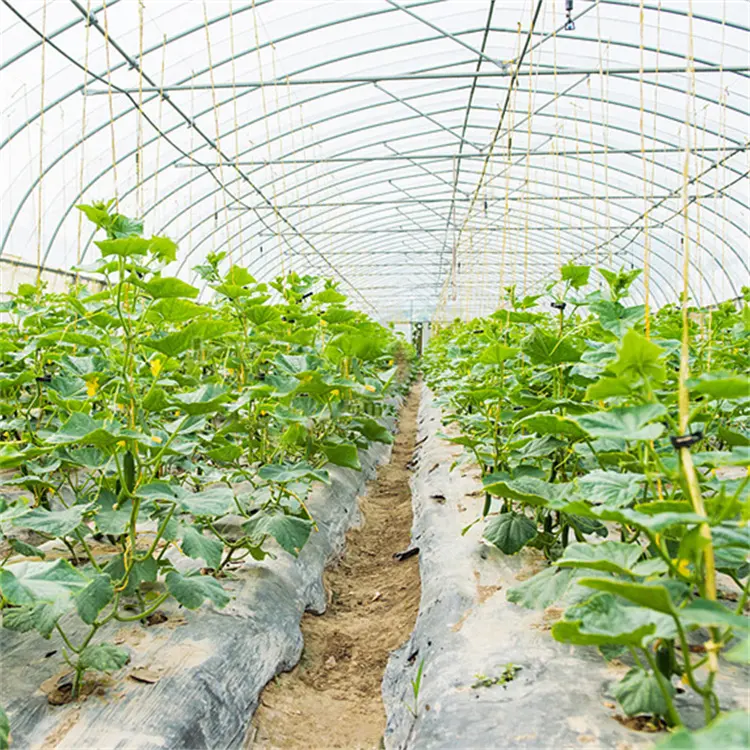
(332, 698)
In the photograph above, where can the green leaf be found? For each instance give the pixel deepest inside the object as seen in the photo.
(290, 532)
(637, 357)
(260, 315)
(608, 557)
(104, 657)
(374, 431)
(174, 344)
(740, 653)
(569, 632)
(164, 249)
(639, 693)
(215, 501)
(510, 532)
(192, 590)
(4, 730)
(205, 400)
(721, 385)
(169, 287)
(528, 490)
(58, 523)
(611, 488)
(551, 424)
(178, 310)
(81, 428)
(608, 387)
(705, 613)
(27, 550)
(651, 596)
(94, 598)
(496, 354)
(329, 297)
(285, 473)
(125, 247)
(200, 547)
(543, 589)
(615, 317)
(729, 731)
(544, 348)
(577, 276)
(343, 454)
(626, 422)
(30, 582)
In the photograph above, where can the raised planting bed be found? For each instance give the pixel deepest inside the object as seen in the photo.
(194, 679)
(492, 676)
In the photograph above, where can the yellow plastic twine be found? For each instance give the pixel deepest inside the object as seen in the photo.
(217, 127)
(40, 194)
(111, 102)
(686, 459)
(84, 101)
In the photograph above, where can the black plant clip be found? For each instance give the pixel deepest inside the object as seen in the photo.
(686, 441)
(557, 305)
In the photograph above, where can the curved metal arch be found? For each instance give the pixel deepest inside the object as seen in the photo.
(657, 239)
(242, 255)
(349, 132)
(209, 109)
(711, 254)
(369, 175)
(278, 40)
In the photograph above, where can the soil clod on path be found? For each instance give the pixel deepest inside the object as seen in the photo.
(332, 698)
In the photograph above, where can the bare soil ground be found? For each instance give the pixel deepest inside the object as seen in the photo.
(332, 698)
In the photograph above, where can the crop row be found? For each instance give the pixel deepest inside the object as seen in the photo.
(136, 421)
(617, 442)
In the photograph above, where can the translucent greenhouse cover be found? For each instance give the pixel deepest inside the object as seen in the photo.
(424, 154)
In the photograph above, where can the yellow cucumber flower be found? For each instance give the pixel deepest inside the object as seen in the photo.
(156, 366)
(92, 386)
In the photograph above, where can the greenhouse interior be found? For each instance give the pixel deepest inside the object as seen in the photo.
(375, 374)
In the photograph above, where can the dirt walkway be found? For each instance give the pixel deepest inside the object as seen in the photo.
(332, 698)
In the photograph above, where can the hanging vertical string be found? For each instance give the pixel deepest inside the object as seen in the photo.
(644, 163)
(527, 173)
(708, 587)
(217, 128)
(84, 100)
(277, 218)
(278, 126)
(111, 102)
(556, 148)
(161, 111)
(191, 152)
(40, 194)
(236, 123)
(608, 204)
(508, 169)
(139, 132)
(723, 135)
(595, 207)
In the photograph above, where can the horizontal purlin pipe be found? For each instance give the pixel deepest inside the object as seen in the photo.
(408, 157)
(327, 233)
(494, 201)
(425, 77)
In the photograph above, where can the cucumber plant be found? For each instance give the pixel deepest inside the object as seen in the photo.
(621, 453)
(150, 441)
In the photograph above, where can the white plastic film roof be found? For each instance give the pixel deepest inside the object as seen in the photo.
(425, 154)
